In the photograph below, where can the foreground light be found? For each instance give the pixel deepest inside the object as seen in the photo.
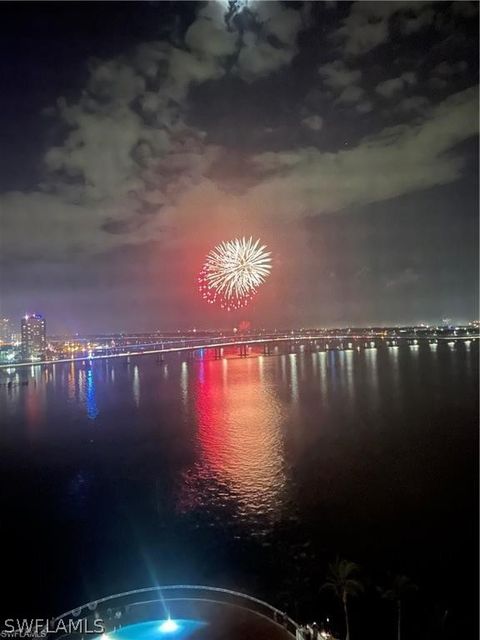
(168, 626)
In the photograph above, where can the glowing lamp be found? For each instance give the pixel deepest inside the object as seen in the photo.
(168, 626)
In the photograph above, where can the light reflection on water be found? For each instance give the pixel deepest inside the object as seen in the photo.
(322, 357)
(136, 386)
(236, 416)
(294, 375)
(91, 399)
(239, 440)
(347, 365)
(371, 356)
(236, 462)
(184, 383)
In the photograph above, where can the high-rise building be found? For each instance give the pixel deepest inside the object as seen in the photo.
(5, 331)
(34, 336)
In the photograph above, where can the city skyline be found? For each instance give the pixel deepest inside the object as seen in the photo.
(342, 135)
(13, 327)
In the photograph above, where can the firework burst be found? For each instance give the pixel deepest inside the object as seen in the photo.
(233, 271)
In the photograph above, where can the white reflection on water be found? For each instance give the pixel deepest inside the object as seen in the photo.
(136, 386)
(301, 363)
(322, 361)
(414, 353)
(184, 383)
(261, 368)
(393, 353)
(81, 396)
(371, 356)
(283, 360)
(294, 376)
(239, 439)
(314, 363)
(347, 362)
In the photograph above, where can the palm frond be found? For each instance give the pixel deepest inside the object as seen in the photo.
(342, 578)
(399, 587)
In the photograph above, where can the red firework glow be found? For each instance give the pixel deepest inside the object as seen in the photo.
(232, 273)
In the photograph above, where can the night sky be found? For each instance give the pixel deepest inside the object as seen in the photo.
(135, 136)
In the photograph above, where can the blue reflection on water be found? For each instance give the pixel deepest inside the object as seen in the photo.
(152, 630)
(92, 409)
(201, 372)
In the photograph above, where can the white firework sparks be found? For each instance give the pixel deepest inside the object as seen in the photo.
(233, 271)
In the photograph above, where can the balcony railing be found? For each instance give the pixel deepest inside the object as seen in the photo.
(140, 605)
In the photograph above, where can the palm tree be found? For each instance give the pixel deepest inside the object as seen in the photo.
(343, 581)
(400, 587)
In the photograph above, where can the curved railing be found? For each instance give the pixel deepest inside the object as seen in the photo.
(121, 606)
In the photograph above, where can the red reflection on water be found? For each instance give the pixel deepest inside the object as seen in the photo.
(32, 407)
(239, 440)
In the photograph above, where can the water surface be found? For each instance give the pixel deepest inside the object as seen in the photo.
(250, 473)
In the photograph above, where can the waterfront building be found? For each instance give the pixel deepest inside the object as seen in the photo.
(5, 331)
(34, 336)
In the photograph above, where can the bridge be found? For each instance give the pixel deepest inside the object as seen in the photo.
(320, 341)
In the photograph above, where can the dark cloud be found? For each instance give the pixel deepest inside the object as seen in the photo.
(313, 122)
(368, 24)
(407, 278)
(393, 86)
(337, 75)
